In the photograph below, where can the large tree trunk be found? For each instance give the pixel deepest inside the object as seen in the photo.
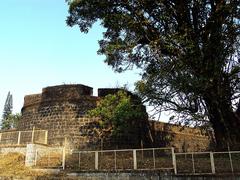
(225, 122)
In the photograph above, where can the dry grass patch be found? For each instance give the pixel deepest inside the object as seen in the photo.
(51, 160)
(13, 164)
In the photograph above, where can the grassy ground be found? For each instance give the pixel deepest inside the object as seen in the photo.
(12, 164)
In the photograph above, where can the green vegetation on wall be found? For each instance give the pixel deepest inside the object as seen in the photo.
(118, 113)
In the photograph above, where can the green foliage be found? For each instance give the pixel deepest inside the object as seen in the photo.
(118, 112)
(7, 111)
(11, 121)
(188, 51)
(7, 106)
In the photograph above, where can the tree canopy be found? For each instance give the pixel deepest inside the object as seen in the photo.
(188, 51)
(11, 121)
(119, 113)
(7, 111)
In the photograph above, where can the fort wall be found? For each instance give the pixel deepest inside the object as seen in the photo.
(61, 110)
(183, 139)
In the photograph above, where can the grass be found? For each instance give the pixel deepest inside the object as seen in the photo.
(13, 164)
(52, 160)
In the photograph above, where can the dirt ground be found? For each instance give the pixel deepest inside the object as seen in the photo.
(12, 164)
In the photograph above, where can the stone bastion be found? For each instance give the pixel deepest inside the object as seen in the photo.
(61, 110)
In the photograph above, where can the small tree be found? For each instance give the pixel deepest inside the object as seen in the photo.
(7, 111)
(11, 121)
(117, 112)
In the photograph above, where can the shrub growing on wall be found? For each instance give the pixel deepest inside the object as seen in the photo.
(119, 114)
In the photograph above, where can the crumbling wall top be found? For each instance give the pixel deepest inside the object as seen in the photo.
(32, 99)
(72, 92)
(60, 93)
(54, 92)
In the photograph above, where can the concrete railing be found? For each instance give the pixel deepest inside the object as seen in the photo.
(153, 159)
(208, 162)
(49, 157)
(189, 163)
(13, 138)
(126, 159)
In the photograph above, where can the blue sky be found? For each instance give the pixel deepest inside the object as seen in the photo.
(38, 49)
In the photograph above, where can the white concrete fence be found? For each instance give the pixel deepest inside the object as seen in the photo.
(208, 162)
(125, 159)
(160, 159)
(49, 157)
(14, 138)
(164, 159)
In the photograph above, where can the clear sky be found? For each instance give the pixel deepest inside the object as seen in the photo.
(38, 49)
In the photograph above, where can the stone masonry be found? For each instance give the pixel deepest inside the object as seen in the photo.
(61, 110)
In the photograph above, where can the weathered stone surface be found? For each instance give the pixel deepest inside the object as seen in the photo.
(183, 139)
(61, 110)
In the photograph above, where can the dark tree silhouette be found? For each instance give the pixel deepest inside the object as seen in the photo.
(188, 51)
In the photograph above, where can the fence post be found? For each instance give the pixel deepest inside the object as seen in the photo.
(0, 137)
(46, 137)
(19, 137)
(174, 161)
(64, 153)
(115, 160)
(193, 164)
(230, 158)
(33, 134)
(154, 159)
(212, 163)
(134, 159)
(96, 160)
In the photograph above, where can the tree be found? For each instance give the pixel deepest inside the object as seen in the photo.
(11, 121)
(122, 115)
(7, 111)
(188, 51)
